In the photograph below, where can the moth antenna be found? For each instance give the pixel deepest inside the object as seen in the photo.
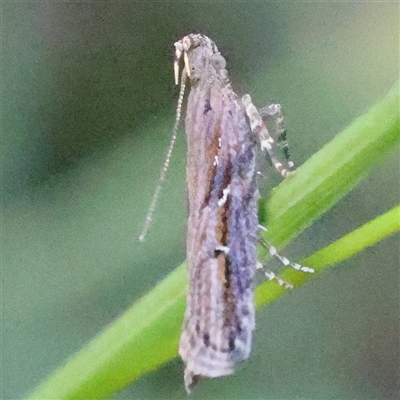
(165, 167)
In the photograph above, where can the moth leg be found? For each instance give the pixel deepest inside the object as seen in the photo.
(285, 261)
(273, 119)
(257, 125)
(270, 275)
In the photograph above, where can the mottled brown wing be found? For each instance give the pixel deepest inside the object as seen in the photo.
(222, 225)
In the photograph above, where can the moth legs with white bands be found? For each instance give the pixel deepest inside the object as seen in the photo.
(285, 261)
(268, 143)
(273, 113)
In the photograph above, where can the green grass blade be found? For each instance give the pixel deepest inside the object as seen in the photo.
(146, 336)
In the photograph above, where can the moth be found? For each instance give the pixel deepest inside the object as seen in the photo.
(223, 133)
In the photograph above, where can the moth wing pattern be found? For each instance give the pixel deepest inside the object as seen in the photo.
(222, 224)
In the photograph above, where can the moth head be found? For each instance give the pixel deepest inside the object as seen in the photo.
(186, 45)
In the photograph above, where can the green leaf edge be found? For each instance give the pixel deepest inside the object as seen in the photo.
(147, 334)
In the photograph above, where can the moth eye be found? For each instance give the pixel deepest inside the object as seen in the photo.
(218, 62)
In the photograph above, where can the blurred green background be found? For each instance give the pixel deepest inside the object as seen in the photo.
(88, 107)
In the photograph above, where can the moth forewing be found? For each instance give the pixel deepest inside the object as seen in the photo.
(222, 224)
